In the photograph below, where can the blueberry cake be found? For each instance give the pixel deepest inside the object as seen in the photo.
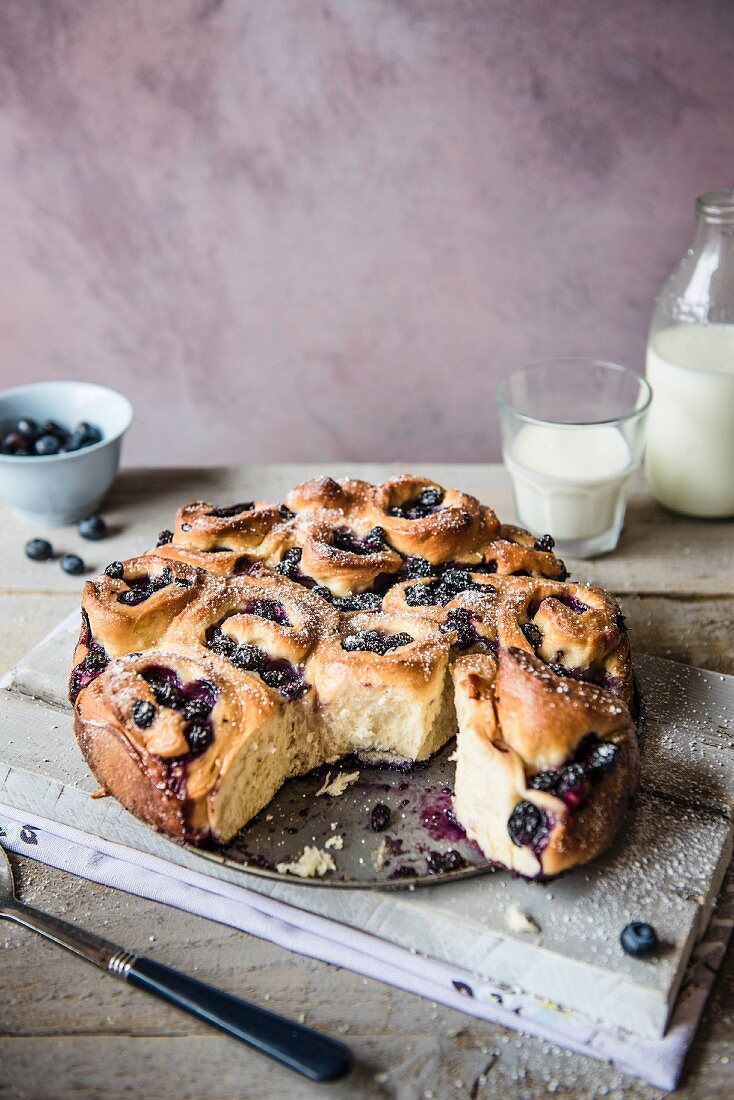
(258, 641)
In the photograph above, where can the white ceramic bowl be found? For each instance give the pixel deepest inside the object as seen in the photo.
(63, 488)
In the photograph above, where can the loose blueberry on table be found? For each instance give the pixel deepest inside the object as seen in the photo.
(638, 939)
(38, 549)
(72, 563)
(379, 817)
(92, 527)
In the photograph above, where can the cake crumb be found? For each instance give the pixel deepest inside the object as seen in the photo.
(336, 841)
(338, 785)
(517, 921)
(101, 792)
(378, 856)
(312, 863)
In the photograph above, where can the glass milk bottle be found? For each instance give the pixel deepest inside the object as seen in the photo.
(690, 367)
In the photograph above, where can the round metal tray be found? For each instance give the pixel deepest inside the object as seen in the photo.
(422, 844)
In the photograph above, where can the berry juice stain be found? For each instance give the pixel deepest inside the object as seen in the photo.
(437, 817)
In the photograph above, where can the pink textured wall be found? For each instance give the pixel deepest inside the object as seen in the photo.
(320, 229)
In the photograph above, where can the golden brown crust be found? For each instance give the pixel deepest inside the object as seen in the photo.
(254, 528)
(341, 570)
(456, 527)
(530, 738)
(409, 666)
(156, 770)
(267, 616)
(120, 626)
(221, 563)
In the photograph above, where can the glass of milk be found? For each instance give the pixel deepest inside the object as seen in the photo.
(690, 366)
(572, 436)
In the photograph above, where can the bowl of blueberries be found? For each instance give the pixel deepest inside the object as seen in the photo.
(60, 448)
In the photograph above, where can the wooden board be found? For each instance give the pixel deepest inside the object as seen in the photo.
(666, 867)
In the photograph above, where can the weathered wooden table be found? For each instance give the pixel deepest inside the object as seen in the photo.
(67, 1030)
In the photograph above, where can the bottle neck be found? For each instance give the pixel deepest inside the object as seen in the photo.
(715, 211)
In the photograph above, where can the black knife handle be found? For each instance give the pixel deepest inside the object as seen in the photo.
(315, 1056)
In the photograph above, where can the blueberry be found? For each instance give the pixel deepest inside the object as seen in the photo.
(545, 543)
(379, 818)
(250, 658)
(602, 756)
(134, 596)
(272, 610)
(46, 445)
(14, 443)
(89, 433)
(362, 640)
(570, 778)
(372, 641)
(285, 512)
(38, 549)
(418, 567)
(199, 735)
(169, 694)
(526, 824)
(96, 657)
(638, 939)
(421, 595)
(533, 634)
(440, 863)
(220, 643)
(289, 566)
(360, 601)
(430, 497)
(75, 442)
(143, 713)
(50, 427)
(549, 781)
(196, 707)
(29, 427)
(426, 502)
(322, 591)
(93, 527)
(164, 537)
(232, 509)
(72, 563)
(116, 570)
(374, 540)
(459, 619)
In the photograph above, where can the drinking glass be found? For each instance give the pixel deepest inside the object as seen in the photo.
(572, 436)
